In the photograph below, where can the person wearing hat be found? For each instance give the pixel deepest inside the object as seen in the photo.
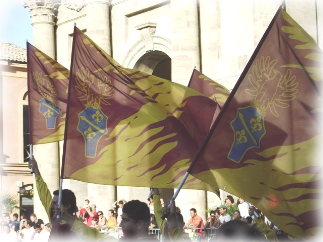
(224, 217)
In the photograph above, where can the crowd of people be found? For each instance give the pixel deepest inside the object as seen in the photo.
(134, 219)
(25, 229)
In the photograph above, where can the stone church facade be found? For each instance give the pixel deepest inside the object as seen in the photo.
(167, 38)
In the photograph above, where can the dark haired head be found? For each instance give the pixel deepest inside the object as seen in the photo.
(230, 198)
(68, 198)
(15, 215)
(137, 210)
(193, 209)
(237, 230)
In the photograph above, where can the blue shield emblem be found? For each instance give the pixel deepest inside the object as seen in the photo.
(92, 125)
(249, 128)
(50, 112)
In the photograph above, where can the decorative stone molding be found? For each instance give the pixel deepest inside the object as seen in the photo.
(147, 30)
(11, 52)
(139, 49)
(50, 4)
(75, 5)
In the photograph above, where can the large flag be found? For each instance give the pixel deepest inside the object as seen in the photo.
(201, 83)
(47, 95)
(263, 146)
(128, 127)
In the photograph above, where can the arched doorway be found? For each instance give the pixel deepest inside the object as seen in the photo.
(155, 63)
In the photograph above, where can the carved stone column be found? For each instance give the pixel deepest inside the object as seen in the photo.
(43, 20)
(43, 17)
(98, 23)
(185, 40)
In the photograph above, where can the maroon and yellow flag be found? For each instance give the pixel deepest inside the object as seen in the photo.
(128, 127)
(201, 83)
(47, 95)
(263, 146)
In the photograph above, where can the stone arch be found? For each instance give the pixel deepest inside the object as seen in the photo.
(162, 48)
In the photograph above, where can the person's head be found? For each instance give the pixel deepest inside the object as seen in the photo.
(235, 230)
(86, 201)
(47, 227)
(37, 228)
(5, 228)
(33, 217)
(236, 215)
(28, 223)
(23, 216)
(192, 212)
(100, 214)
(121, 203)
(93, 207)
(223, 210)
(217, 213)
(15, 216)
(241, 200)
(229, 200)
(135, 219)
(161, 201)
(111, 213)
(68, 201)
(152, 218)
(212, 214)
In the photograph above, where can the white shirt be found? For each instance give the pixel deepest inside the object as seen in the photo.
(28, 234)
(244, 209)
(225, 218)
(11, 237)
(43, 236)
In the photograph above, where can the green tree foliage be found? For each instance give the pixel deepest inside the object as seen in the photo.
(8, 203)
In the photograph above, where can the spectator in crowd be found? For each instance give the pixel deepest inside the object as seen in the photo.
(14, 223)
(40, 234)
(102, 220)
(28, 232)
(237, 230)
(21, 223)
(236, 215)
(92, 214)
(95, 223)
(151, 205)
(7, 234)
(119, 211)
(196, 223)
(134, 224)
(224, 217)
(61, 231)
(229, 201)
(48, 227)
(212, 223)
(83, 214)
(243, 208)
(35, 220)
(111, 222)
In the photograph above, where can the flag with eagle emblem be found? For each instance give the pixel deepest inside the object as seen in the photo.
(129, 128)
(263, 145)
(47, 97)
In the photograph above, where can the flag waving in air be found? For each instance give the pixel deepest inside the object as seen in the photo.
(129, 128)
(47, 93)
(263, 145)
(201, 83)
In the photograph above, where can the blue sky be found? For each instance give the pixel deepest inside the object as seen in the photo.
(15, 23)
